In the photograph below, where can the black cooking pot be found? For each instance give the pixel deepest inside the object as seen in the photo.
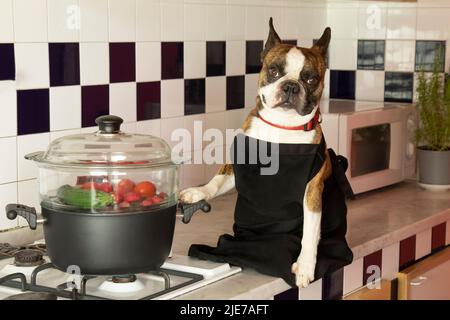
(109, 201)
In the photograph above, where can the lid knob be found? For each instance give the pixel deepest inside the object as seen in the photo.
(109, 124)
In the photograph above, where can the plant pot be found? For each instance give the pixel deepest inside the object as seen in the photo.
(434, 169)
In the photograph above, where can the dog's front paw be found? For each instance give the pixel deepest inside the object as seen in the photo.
(191, 195)
(304, 271)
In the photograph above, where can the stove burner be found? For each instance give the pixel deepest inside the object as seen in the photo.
(126, 278)
(28, 258)
(33, 296)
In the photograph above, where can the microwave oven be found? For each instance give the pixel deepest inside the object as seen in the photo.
(377, 139)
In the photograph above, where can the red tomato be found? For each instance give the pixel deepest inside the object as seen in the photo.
(145, 189)
(118, 198)
(146, 203)
(132, 197)
(105, 187)
(124, 186)
(162, 195)
(156, 199)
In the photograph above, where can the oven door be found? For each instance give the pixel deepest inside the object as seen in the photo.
(374, 143)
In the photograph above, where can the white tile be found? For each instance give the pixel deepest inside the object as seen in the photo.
(305, 43)
(195, 125)
(8, 108)
(193, 175)
(251, 90)
(6, 21)
(216, 22)
(312, 292)
(326, 84)
(211, 170)
(148, 20)
(401, 22)
(63, 20)
(194, 59)
(94, 20)
(150, 127)
(423, 243)
(27, 144)
(255, 27)
(94, 63)
(8, 194)
(65, 108)
(432, 23)
(194, 22)
(172, 98)
(399, 55)
(369, 85)
(291, 28)
(215, 94)
(372, 20)
(235, 22)
(122, 20)
(343, 54)
(8, 163)
(30, 20)
(168, 126)
(172, 21)
(390, 261)
(235, 118)
(129, 127)
(148, 61)
(342, 21)
(63, 133)
(32, 65)
(28, 194)
(122, 100)
(312, 22)
(235, 58)
(276, 12)
(353, 276)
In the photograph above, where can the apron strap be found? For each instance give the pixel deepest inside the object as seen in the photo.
(340, 165)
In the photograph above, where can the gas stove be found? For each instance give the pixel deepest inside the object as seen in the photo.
(26, 273)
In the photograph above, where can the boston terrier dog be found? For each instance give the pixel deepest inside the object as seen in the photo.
(290, 83)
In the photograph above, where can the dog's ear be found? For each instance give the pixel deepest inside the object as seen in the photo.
(272, 40)
(323, 42)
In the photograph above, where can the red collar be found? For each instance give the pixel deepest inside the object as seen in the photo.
(305, 127)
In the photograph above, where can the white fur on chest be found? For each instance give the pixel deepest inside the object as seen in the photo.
(263, 131)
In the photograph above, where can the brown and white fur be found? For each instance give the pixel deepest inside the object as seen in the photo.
(290, 87)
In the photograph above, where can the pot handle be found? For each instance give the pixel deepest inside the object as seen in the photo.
(188, 209)
(29, 213)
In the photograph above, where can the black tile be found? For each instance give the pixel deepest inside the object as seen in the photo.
(33, 111)
(333, 285)
(94, 103)
(290, 294)
(7, 62)
(428, 53)
(371, 54)
(326, 56)
(148, 100)
(342, 84)
(172, 60)
(122, 62)
(253, 51)
(398, 86)
(292, 42)
(64, 61)
(215, 58)
(235, 92)
(194, 96)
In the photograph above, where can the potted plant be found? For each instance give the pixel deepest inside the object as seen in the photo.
(433, 131)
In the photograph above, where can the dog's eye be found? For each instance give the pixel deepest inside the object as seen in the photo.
(312, 81)
(274, 72)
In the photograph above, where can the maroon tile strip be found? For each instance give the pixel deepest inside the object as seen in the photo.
(373, 259)
(438, 236)
(407, 252)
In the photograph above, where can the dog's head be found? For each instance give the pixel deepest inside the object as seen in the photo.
(291, 78)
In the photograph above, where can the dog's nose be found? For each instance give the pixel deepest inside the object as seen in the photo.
(291, 87)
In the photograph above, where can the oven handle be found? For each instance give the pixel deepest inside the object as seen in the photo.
(28, 213)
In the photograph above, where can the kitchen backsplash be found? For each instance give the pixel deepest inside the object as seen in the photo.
(161, 65)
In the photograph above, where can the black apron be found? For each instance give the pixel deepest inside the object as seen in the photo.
(268, 217)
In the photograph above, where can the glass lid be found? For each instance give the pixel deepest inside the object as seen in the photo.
(107, 147)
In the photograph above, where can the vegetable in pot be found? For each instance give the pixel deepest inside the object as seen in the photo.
(84, 198)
